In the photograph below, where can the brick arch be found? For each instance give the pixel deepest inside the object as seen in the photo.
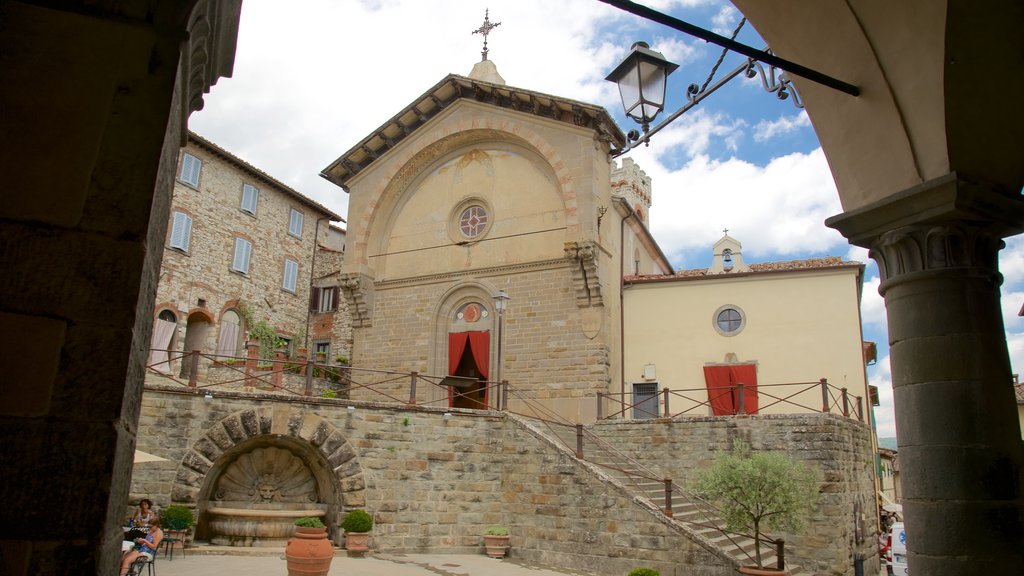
(333, 458)
(412, 164)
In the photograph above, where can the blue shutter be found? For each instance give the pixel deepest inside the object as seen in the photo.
(291, 273)
(250, 195)
(242, 250)
(181, 231)
(190, 167)
(295, 223)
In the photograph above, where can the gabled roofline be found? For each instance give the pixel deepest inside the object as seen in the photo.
(448, 91)
(261, 175)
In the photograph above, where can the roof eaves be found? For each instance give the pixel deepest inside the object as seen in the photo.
(260, 174)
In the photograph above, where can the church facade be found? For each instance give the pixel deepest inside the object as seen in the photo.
(478, 195)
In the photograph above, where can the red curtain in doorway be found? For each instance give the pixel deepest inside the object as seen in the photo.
(479, 345)
(722, 381)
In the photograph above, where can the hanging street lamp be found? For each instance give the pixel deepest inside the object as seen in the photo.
(641, 78)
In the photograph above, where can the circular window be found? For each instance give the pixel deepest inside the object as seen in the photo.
(470, 220)
(473, 221)
(729, 320)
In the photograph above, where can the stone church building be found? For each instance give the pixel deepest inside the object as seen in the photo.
(477, 191)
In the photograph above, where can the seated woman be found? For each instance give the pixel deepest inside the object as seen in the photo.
(139, 522)
(144, 547)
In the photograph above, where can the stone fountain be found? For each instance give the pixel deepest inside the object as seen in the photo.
(258, 497)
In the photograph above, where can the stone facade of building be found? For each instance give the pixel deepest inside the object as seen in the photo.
(239, 243)
(478, 191)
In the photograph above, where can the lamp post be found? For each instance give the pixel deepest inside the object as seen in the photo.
(641, 78)
(500, 303)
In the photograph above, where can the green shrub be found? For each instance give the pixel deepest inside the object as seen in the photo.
(357, 521)
(177, 517)
(309, 522)
(496, 531)
(644, 572)
(329, 394)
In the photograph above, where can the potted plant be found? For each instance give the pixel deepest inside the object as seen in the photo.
(176, 520)
(496, 541)
(357, 525)
(644, 572)
(309, 552)
(757, 492)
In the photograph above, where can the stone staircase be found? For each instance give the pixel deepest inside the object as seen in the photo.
(698, 518)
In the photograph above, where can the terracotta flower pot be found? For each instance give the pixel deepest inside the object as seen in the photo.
(357, 541)
(496, 545)
(755, 571)
(309, 552)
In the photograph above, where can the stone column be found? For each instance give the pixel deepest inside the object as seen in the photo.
(937, 247)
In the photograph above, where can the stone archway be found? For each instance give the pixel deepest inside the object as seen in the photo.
(315, 464)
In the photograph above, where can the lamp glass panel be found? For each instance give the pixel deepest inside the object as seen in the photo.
(629, 90)
(652, 81)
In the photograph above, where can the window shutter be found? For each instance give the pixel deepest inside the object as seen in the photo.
(241, 260)
(295, 223)
(190, 167)
(181, 231)
(314, 299)
(250, 196)
(291, 273)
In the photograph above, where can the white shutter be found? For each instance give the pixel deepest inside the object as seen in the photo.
(241, 261)
(181, 231)
(291, 273)
(295, 223)
(190, 167)
(250, 195)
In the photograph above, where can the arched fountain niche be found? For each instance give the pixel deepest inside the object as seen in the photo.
(255, 491)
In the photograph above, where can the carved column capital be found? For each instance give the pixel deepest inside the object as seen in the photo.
(948, 225)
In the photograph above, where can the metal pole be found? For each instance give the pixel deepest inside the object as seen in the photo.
(748, 51)
(309, 378)
(740, 402)
(780, 554)
(846, 404)
(668, 495)
(193, 373)
(824, 395)
(412, 387)
(579, 441)
(664, 393)
(504, 394)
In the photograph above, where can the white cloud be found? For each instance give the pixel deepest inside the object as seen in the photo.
(726, 20)
(692, 204)
(767, 129)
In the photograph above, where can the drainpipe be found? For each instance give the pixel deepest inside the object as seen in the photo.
(622, 312)
(312, 271)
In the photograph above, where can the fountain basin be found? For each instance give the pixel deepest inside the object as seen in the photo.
(259, 525)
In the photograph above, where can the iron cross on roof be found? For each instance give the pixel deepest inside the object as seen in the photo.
(485, 29)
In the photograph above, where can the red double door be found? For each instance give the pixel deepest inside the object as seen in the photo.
(723, 388)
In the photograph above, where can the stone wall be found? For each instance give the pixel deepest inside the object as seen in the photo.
(837, 446)
(434, 483)
(546, 353)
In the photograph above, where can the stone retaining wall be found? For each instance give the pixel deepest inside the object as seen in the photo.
(837, 446)
(434, 483)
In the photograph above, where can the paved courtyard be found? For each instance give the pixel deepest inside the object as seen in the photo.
(377, 565)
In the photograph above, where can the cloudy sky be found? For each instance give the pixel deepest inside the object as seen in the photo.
(313, 77)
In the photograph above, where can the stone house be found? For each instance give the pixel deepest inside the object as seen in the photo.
(330, 327)
(239, 244)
